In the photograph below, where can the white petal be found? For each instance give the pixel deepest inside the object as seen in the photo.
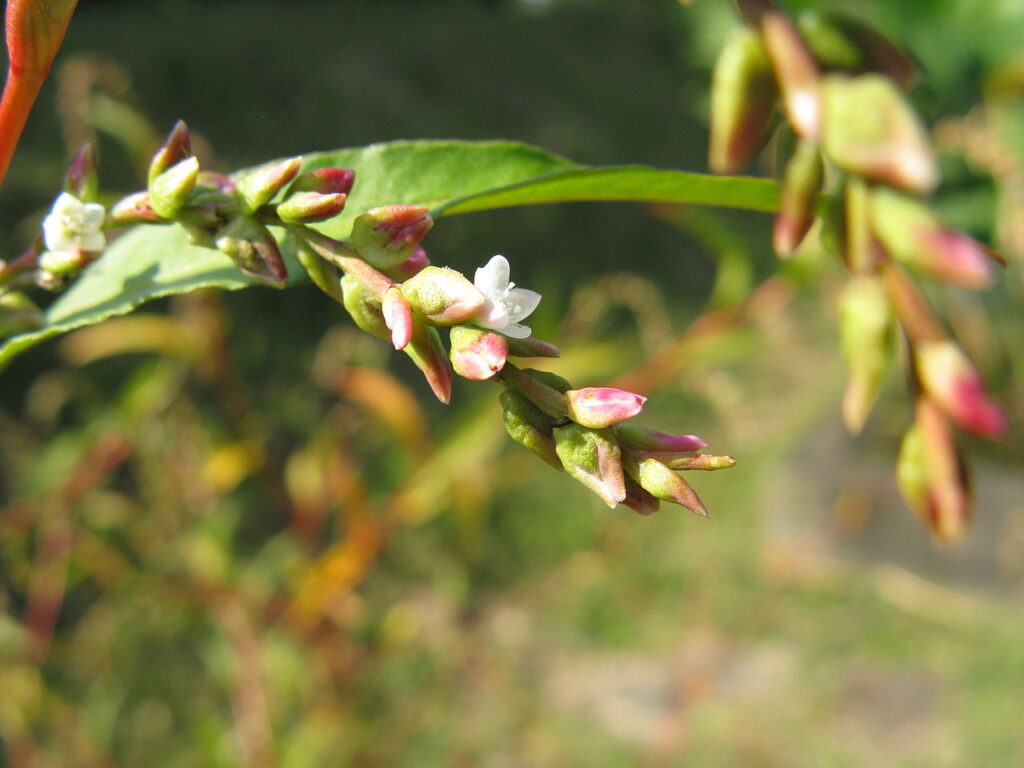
(516, 331)
(493, 315)
(54, 235)
(65, 204)
(520, 302)
(92, 218)
(492, 279)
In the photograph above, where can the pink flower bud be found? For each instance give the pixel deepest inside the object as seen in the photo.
(476, 354)
(915, 236)
(134, 209)
(411, 267)
(258, 188)
(398, 317)
(327, 181)
(385, 237)
(949, 379)
(649, 440)
(443, 296)
(311, 207)
(599, 407)
(593, 458)
(81, 180)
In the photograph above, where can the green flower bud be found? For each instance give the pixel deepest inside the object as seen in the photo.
(661, 482)
(529, 426)
(867, 327)
(364, 307)
(795, 72)
(801, 183)
(385, 237)
(593, 457)
(870, 130)
(443, 296)
(845, 43)
(176, 147)
(134, 209)
(325, 276)
(253, 248)
(258, 188)
(742, 99)
(169, 191)
(311, 207)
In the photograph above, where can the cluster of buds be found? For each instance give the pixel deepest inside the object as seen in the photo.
(839, 85)
(382, 276)
(583, 432)
(233, 215)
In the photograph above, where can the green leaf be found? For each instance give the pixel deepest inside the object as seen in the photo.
(449, 177)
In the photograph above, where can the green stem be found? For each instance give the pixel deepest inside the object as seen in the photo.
(344, 257)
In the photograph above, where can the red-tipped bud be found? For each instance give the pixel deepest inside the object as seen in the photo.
(476, 354)
(871, 130)
(529, 426)
(950, 380)
(81, 179)
(176, 147)
(660, 481)
(592, 457)
(742, 99)
(867, 328)
(259, 187)
(639, 500)
(327, 181)
(915, 236)
(443, 296)
(311, 207)
(801, 182)
(427, 352)
(932, 476)
(648, 440)
(385, 237)
(600, 407)
(253, 248)
(134, 209)
(169, 191)
(398, 317)
(411, 267)
(795, 72)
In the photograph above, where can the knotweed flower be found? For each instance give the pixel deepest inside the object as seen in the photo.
(505, 304)
(73, 225)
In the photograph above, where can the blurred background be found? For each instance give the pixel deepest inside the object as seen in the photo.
(238, 532)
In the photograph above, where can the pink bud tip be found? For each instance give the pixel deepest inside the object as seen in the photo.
(599, 407)
(957, 258)
(412, 266)
(649, 440)
(333, 180)
(397, 317)
(478, 355)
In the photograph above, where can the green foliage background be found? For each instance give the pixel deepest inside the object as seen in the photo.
(237, 533)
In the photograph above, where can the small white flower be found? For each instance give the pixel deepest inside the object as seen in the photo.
(73, 225)
(505, 304)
